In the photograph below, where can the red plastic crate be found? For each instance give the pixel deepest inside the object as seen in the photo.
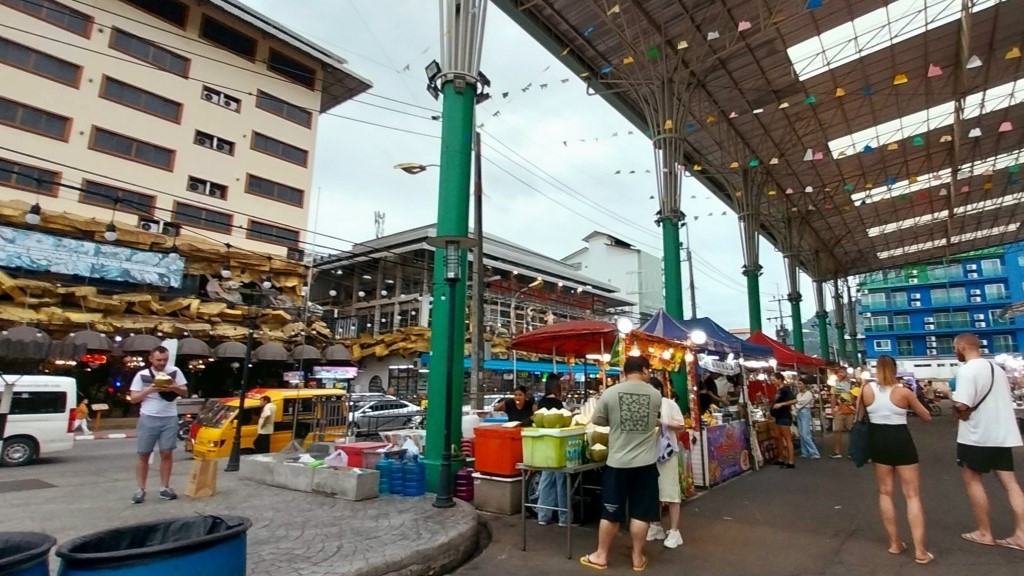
(498, 450)
(355, 451)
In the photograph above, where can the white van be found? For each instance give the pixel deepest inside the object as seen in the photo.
(42, 417)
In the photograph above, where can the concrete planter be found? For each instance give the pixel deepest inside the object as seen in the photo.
(347, 483)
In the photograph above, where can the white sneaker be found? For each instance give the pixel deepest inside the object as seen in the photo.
(655, 532)
(674, 539)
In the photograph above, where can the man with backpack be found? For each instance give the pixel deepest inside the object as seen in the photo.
(157, 388)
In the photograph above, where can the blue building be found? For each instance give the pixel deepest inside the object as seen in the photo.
(914, 312)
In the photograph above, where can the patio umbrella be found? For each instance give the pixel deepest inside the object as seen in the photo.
(229, 350)
(575, 338)
(92, 341)
(337, 353)
(305, 352)
(270, 353)
(194, 347)
(140, 343)
(24, 343)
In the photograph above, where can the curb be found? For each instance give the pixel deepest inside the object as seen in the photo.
(107, 436)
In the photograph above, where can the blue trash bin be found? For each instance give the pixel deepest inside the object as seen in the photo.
(25, 553)
(194, 546)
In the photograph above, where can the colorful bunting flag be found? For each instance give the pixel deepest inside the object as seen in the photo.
(1013, 53)
(840, 92)
(973, 62)
(743, 26)
(1006, 126)
(917, 141)
(614, 10)
(627, 60)
(934, 71)
(683, 44)
(974, 133)
(714, 35)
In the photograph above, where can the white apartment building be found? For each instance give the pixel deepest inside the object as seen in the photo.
(638, 275)
(199, 113)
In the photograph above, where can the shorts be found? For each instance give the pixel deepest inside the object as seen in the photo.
(984, 459)
(153, 430)
(892, 445)
(636, 488)
(843, 422)
(668, 481)
(785, 422)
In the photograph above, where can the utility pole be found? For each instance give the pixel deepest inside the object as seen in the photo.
(689, 265)
(476, 399)
(781, 331)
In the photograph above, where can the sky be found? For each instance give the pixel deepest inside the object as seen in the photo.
(550, 154)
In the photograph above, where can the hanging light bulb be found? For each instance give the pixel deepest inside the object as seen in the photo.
(688, 357)
(111, 234)
(635, 351)
(34, 215)
(362, 294)
(698, 337)
(267, 283)
(383, 292)
(225, 271)
(667, 354)
(333, 293)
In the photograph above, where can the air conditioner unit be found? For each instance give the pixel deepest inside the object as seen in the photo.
(984, 342)
(933, 352)
(171, 229)
(204, 141)
(975, 299)
(913, 272)
(975, 292)
(912, 280)
(972, 267)
(296, 254)
(972, 274)
(211, 96)
(151, 225)
(983, 350)
(196, 185)
(979, 316)
(915, 304)
(929, 326)
(915, 296)
(229, 104)
(980, 324)
(929, 338)
(929, 320)
(931, 344)
(867, 314)
(222, 146)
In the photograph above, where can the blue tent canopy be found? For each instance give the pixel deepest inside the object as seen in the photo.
(721, 340)
(664, 326)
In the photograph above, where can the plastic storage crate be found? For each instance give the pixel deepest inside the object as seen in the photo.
(547, 447)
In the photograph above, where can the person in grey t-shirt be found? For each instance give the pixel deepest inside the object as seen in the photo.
(630, 409)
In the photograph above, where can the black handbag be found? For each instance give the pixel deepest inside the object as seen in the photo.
(860, 437)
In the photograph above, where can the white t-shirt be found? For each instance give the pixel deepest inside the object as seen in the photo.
(671, 414)
(267, 419)
(724, 387)
(154, 405)
(804, 399)
(993, 423)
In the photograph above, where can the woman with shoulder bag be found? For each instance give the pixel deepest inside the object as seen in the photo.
(894, 454)
(781, 426)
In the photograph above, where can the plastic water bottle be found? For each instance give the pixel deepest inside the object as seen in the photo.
(415, 478)
(384, 467)
(397, 479)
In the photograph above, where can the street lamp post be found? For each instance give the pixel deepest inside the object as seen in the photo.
(236, 448)
(512, 319)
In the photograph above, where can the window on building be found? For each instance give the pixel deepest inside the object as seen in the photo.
(939, 297)
(995, 292)
(957, 295)
(1002, 344)
(873, 301)
(214, 96)
(139, 99)
(39, 403)
(905, 346)
(279, 149)
(948, 296)
(29, 178)
(60, 15)
(945, 346)
(273, 190)
(173, 11)
(131, 149)
(149, 52)
(951, 320)
(267, 232)
(107, 196)
(996, 318)
(200, 217)
(39, 63)
(228, 38)
(992, 267)
(901, 323)
(291, 68)
(279, 107)
(207, 188)
(899, 299)
(878, 323)
(883, 345)
(945, 272)
(35, 120)
(207, 140)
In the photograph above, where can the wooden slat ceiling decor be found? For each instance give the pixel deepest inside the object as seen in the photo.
(750, 107)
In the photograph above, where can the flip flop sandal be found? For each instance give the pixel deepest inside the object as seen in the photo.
(969, 536)
(903, 548)
(585, 560)
(641, 567)
(925, 560)
(1007, 543)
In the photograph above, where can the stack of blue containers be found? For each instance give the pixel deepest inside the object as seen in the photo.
(397, 477)
(415, 477)
(384, 467)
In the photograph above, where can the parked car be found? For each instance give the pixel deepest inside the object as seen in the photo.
(373, 416)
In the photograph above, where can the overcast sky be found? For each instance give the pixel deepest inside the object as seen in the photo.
(552, 195)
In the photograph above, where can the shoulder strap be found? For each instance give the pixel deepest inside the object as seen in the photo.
(992, 383)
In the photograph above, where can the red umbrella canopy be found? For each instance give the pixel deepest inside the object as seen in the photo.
(785, 355)
(574, 338)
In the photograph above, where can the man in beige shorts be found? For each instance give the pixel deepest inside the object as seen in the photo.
(843, 412)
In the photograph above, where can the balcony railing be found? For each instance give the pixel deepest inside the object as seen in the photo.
(952, 324)
(876, 328)
(901, 327)
(1003, 348)
(993, 271)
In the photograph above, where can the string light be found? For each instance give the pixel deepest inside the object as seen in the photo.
(34, 215)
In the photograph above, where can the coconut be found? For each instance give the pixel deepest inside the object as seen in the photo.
(162, 381)
(553, 419)
(599, 436)
(598, 453)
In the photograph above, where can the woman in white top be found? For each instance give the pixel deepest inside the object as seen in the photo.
(804, 421)
(894, 454)
(669, 490)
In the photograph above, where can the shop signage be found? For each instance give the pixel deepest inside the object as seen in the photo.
(718, 367)
(38, 252)
(727, 451)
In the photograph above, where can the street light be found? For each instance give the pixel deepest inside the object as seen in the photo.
(512, 318)
(452, 246)
(236, 448)
(413, 168)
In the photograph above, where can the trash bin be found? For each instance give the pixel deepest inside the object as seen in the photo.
(25, 553)
(196, 546)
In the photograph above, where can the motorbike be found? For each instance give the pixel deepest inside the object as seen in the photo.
(932, 406)
(184, 426)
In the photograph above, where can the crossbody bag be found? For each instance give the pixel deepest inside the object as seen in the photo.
(965, 413)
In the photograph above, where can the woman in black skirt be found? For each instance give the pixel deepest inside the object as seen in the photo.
(894, 454)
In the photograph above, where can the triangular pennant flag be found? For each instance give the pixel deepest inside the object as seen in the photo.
(504, 95)
(789, 190)
(810, 99)
(934, 71)
(848, 187)
(617, 172)
(614, 10)
(890, 181)
(733, 114)
(867, 90)
(813, 4)
(758, 110)
(965, 189)
(566, 51)
(754, 163)
(986, 186)
(627, 60)
(988, 171)
(917, 141)
(771, 192)
(697, 167)
(711, 118)
(1006, 126)
(943, 192)
(1013, 168)
(867, 149)
(809, 189)
(653, 52)
(606, 70)
(899, 79)
(913, 179)
(773, 161)
(734, 165)
(922, 196)
(690, 126)
(809, 155)
(668, 124)
(743, 26)
(840, 92)
(1013, 53)
(974, 133)
(783, 105)
(682, 45)
(819, 155)
(946, 138)
(714, 35)
(973, 62)
(892, 146)
(842, 154)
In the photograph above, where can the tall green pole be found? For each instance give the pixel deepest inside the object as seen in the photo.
(452, 220)
(674, 298)
(840, 321)
(798, 323)
(753, 296)
(826, 351)
(841, 343)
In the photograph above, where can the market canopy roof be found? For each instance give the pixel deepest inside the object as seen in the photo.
(865, 124)
(664, 326)
(785, 355)
(573, 338)
(721, 340)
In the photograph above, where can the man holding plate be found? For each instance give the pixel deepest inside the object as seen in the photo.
(157, 389)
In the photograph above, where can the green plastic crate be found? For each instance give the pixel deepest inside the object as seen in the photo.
(547, 447)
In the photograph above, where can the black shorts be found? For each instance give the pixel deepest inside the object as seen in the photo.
(892, 445)
(636, 488)
(984, 459)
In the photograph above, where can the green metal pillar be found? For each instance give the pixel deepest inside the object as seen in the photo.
(841, 343)
(674, 298)
(753, 275)
(826, 350)
(798, 323)
(839, 311)
(452, 220)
